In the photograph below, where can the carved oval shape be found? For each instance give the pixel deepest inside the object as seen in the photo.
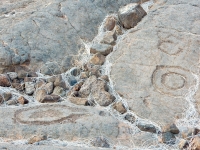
(47, 114)
(173, 80)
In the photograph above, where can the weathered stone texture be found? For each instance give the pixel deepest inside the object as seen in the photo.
(39, 32)
(152, 62)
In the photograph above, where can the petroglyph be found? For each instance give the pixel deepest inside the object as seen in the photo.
(48, 114)
(173, 42)
(172, 80)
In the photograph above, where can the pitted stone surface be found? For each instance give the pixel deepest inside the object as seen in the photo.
(151, 66)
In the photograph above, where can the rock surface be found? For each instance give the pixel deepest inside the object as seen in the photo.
(152, 62)
(27, 38)
(151, 71)
(61, 121)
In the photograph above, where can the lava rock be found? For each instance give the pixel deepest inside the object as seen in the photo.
(12, 75)
(130, 15)
(109, 24)
(118, 30)
(103, 49)
(29, 79)
(97, 59)
(50, 98)
(4, 81)
(39, 83)
(22, 74)
(12, 102)
(195, 143)
(18, 86)
(188, 133)
(37, 138)
(59, 91)
(72, 81)
(120, 107)
(78, 100)
(75, 71)
(84, 75)
(48, 87)
(29, 88)
(94, 70)
(40, 94)
(168, 138)
(22, 100)
(101, 142)
(50, 68)
(130, 118)
(183, 144)
(146, 127)
(97, 89)
(51, 79)
(32, 74)
(5, 96)
(171, 128)
(104, 77)
(60, 82)
(109, 38)
(77, 87)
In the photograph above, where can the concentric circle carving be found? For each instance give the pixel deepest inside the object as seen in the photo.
(172, 80)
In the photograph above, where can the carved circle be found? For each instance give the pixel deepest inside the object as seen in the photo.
(173, 42)
(48, 114)
(172, 80)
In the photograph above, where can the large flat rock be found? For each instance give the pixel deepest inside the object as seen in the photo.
(35, 32)
(67, 122)
(151, 66)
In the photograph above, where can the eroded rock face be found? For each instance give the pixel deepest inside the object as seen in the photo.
(64, 122)
(152, 63)
(37, 29)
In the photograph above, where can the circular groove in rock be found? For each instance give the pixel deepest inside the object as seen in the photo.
(178, 80)
(172, 80)
(48, 114)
